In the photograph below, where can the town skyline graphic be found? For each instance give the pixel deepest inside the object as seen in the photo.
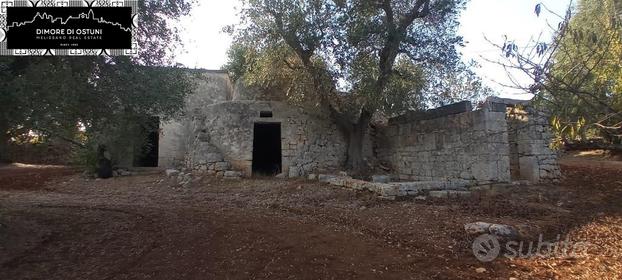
(47, 16)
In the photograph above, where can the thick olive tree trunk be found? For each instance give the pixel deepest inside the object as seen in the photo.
(355, 135)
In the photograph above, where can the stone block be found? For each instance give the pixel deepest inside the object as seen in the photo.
(459, 194)
(355, 184)
(452, 109)
(171, 172)
(529, 168)
(420, 185)
(380, 179)
(213, 157)
(294, 172)
(457, 184)
(233, 174)
(339, 181)
(388, 191)
(324, 178)
(438, 194)
(450, 194)
(221, 166)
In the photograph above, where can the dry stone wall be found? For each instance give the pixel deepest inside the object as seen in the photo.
(176, 135)
(215, 132)
(530, 137)
(223, 138)
(451, 142)
(506, 140)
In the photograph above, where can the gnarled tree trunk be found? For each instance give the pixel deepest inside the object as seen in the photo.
(355, 136)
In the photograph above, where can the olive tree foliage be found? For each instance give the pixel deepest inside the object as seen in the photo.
(576, 75)
(158, 37)
(459, 83)
(90, 101)
(353, 58)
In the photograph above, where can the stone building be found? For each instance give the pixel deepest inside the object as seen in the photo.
(227, 127)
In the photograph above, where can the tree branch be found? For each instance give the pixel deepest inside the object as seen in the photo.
(420, 9)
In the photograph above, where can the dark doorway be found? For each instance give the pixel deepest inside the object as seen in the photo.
(147, 155)
(267, 149)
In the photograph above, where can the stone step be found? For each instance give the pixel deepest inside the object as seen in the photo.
(392, 190)
(419, 187)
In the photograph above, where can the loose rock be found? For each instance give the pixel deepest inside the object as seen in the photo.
(171, 172)
(326, 178)
(477, 228)
(503, 231)
(494, 229)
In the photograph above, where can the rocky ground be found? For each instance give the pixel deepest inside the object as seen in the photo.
(56, 224)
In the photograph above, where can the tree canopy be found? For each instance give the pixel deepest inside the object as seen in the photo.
(586, 77)
(577, 76)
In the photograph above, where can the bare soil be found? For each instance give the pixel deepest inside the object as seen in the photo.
(55, 224)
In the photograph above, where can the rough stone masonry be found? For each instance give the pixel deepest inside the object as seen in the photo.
(504, 141)
(451, 142)
(501, 142)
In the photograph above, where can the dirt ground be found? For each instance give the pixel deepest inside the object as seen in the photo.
(55, 224)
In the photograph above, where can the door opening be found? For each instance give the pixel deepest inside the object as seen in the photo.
(267, 149)
(147, 154)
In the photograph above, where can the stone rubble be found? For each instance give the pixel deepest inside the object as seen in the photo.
(171, 172)
(393, 190)
(499, 230)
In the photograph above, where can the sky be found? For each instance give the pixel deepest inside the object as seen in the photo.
(205, 45)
